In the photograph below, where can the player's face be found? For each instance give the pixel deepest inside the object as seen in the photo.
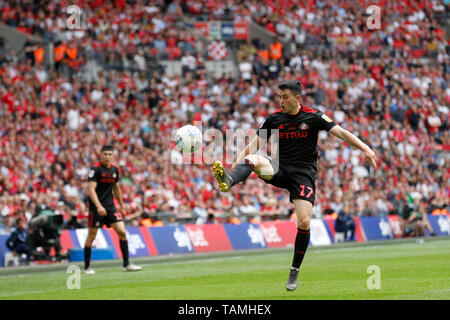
(106, 158)
(288, 101)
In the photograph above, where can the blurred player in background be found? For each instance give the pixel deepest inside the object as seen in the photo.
(295, 166)
(103, 186)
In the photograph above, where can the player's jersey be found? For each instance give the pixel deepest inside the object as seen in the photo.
(105, 178)
(297, 135)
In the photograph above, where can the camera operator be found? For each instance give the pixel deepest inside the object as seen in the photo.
(45, 230)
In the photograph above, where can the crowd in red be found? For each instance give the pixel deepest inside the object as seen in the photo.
(388, 86)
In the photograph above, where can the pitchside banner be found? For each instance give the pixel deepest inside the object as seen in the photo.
(245, 236)
(359, 232)
(319, 234)
(439, 224)
(3, 249)
(148, 239)
(394, 222)
(66, 241)
(78, 237)
(329, 226)
(279, 234)
(137, 246)
(103, 240)
(376, 228)
(143, 241)
(283, 233)
(208, 237)
(171, 239)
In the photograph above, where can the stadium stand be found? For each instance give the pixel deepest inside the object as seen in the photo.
(137, 70)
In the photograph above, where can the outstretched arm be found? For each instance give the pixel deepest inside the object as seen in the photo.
(354, 141)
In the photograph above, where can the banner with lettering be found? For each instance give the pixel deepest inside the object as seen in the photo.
(220, 30)
(439, 224)
(202, 28)
(279, 234)
(103, 240)
(319, 234)
(227, 31)
(241, 31)
(171, 239)
(3, 249)
(208, 237)
(394, 222)
(245, 236)
(137, 246)
(376, 228)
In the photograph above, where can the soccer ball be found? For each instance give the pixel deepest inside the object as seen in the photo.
(188, 138)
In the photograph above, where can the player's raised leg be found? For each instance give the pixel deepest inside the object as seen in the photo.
(92, 233)
(303, 210)
(119, 227)
(261, 166)
(252, 162)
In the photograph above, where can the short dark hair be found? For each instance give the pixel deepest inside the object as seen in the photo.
(293, 85)
(107, 147)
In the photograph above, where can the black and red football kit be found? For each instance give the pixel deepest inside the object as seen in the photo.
(106, 178)
(295, 165)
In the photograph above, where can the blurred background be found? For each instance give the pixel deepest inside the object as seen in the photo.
(132, 72)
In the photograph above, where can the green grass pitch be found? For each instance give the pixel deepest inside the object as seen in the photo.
(409, 269)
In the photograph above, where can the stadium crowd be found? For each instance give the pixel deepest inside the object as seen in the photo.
(389, 86)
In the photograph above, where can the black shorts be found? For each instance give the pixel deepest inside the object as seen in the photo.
(98, 221)
(300, 183)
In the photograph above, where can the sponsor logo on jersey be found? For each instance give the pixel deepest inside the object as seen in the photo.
(293, 135)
